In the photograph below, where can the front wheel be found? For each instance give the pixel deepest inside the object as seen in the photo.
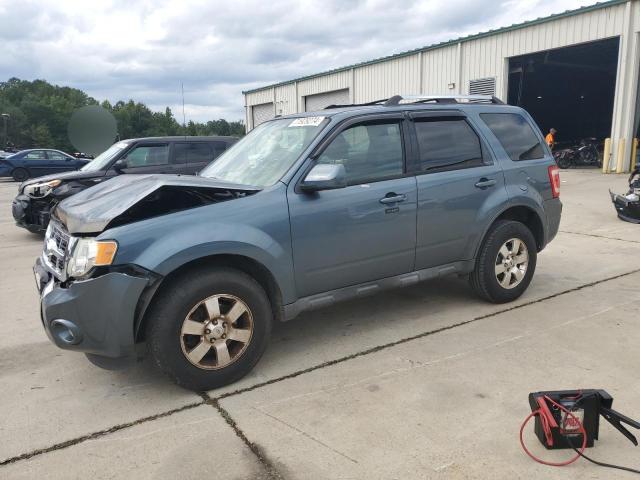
(209, 327)
(505, 263)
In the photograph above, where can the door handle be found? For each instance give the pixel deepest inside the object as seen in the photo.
(392, 198)
(485, 183)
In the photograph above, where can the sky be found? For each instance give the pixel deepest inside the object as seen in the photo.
(144, 50)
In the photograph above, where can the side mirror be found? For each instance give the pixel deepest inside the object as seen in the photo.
(325, 177)
(120, 165)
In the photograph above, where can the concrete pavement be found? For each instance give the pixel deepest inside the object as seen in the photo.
(426, 382)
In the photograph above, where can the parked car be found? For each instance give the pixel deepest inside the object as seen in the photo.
(37, 162)
(305, 211)
(177, 155)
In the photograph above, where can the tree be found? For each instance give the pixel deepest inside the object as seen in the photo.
(39, 115)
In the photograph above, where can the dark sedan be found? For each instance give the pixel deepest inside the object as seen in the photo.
(37, 162)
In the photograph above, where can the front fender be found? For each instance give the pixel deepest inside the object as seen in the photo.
(256, 227)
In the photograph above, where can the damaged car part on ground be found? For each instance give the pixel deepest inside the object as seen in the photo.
(307, 210)
(177, 155)
(628, 206)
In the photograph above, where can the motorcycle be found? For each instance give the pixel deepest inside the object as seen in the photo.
(584, 154)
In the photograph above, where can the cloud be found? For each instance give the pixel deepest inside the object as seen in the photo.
(144, 50)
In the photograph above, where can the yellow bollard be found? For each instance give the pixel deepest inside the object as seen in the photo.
(606, 156)
(634, 154)
(620, 158)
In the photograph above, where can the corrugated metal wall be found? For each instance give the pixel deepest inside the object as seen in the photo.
(435, 70)
(487, 57)
(449, 69)
(382, 80)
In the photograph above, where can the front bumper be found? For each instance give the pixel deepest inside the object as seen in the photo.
(93, 316)
(627, 210)
(30, 214)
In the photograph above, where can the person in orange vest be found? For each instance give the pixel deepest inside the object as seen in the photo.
(551, 138)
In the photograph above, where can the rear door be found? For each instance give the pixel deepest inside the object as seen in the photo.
(366, 231)
(458, 181)
(196, 155)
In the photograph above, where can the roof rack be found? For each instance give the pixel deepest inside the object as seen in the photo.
(409, 99)
(368, 104)
(396, 99)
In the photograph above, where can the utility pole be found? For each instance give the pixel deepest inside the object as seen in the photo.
(5, 120)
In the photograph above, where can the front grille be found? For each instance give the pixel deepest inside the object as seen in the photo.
(56, 249)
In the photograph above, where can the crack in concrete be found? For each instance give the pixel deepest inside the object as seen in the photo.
(270, 470)
(595, 235)
(214, 401)
(98, 434)
(310, 437)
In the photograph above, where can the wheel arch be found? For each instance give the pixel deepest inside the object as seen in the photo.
(245, 264)
(21, 167)
(523, 214)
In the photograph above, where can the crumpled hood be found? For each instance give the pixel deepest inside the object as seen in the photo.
(91, 210)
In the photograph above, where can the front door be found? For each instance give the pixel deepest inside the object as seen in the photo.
(148, 158)
(363, 232)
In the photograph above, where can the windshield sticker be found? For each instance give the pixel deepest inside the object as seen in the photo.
(306, 122)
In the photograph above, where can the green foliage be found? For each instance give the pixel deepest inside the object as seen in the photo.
(40, 112)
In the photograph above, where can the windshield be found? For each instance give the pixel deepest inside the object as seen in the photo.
(103, 160)
(264, 156)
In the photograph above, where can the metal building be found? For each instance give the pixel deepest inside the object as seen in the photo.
(576, 71)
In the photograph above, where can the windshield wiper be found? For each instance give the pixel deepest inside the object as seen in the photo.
(451, 164)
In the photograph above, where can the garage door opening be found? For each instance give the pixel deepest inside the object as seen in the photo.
(570, 89)
(320, 101)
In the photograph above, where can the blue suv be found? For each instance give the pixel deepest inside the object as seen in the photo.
(305, 211)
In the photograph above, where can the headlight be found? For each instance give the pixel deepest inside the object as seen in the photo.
(88, 253)
(39, 190)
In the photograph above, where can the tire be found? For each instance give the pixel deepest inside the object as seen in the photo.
(179, 307)
(485, 279)
(564, 163)
(20, 174)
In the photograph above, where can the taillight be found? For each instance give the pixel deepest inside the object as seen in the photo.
(554, 178)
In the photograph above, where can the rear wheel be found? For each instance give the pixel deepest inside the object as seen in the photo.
(209, 327)
(506, 262)
(20, 174)
(564, 162)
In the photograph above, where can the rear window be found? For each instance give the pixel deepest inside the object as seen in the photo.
(515, 134)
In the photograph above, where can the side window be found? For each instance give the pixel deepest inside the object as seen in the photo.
(219, 147)
(369, 152)
(515, 134)
(35, 155)
(200, 153)
(56, 156)
(147, 155)
(180, 152)
(447, 144)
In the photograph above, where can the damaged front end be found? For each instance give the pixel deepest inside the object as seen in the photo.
(132, 198)
(628, 206)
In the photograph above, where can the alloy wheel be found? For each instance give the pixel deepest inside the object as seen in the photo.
(511, 263)
(216, 332)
